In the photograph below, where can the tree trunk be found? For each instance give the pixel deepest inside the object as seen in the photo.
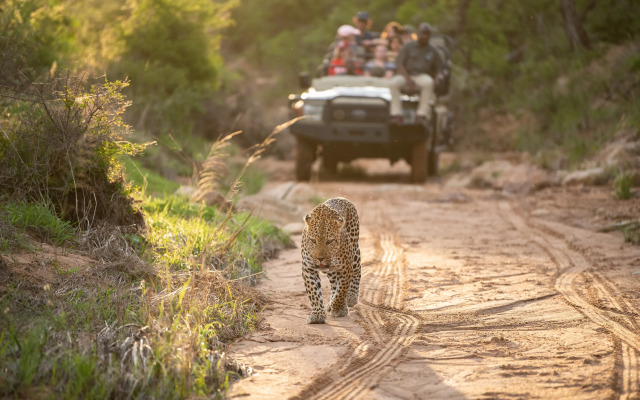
(573, 25)
(463, 6)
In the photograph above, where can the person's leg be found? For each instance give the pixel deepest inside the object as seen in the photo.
(395, 86)
(427, 96)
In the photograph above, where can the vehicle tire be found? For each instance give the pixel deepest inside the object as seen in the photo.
(433, 159)
(419, 162)
(330, 164)
(433, 156)
(305, 154)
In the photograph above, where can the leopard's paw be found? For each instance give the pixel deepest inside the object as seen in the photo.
(316, 319)
(339, 312)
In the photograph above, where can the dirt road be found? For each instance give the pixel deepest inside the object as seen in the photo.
(465, 294)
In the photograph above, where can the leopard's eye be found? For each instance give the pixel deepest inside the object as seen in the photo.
(312, 241)
(330, 241)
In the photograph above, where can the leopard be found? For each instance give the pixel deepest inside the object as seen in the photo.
(330, 245)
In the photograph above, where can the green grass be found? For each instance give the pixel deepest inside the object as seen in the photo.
(95, 333)
(631, 232)
(35, 371)
(529, 140)
(623, 186)
(38, 219)
(146, 180)
(152, 183)
(183, 230)
(575, 101)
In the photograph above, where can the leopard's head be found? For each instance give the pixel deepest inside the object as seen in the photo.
(321, 237)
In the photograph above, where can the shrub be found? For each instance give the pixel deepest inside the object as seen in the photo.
(615, 21)
(62, 147)
(631, 232)
(33, 39)
(170, 52)
(623, 184)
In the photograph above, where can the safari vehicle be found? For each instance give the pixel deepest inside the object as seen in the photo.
(347, 117)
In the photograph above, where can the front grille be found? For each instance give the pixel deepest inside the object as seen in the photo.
(344, 112)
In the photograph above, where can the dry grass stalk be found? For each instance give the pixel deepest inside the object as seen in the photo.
(257, 153)
(214, 167)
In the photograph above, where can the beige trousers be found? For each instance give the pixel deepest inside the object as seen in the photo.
(427, 96)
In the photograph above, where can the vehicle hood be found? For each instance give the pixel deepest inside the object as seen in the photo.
(343, 91)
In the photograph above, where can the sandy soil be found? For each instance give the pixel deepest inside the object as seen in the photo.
(465, 294)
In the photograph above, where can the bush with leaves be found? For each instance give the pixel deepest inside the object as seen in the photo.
(170, 54)
(59, 145)
(35, 38)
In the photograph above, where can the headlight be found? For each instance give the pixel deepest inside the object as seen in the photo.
(312, 109)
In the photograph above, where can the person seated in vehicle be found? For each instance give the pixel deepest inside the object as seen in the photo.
(365, 39)
(391, 39)
(408, 33)
(345, 37)
(343, 61)
(419, 69)
(380, 66)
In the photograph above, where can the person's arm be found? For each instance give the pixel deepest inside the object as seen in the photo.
(390, 70)
(369, 41)
(388, 74)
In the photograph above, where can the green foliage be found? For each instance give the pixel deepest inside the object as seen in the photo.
(165, 333)
(288, 36)
(30, 352)
(27, 365)
(84, 377)
(35, 38)
(96, 27)
(530, 140)
(183, 230)
(40, 220)
(63, 146)
(171, 54)
(631, 232)
(147, 180)
(614, 21)
(623, 185)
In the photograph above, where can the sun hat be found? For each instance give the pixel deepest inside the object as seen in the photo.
(348, 30)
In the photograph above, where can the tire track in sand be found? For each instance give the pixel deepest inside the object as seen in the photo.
(630, 379)
(570, 265)
(391, 328)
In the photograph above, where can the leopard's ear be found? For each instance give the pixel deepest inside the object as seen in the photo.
(307, 218)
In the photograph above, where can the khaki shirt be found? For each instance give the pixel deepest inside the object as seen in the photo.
(418, 59)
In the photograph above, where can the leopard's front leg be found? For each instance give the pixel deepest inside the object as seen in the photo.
(314, 291)
(354, 285)
(339, 290)
(333, 279)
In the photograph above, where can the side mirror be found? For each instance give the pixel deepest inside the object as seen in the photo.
(304, 80)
